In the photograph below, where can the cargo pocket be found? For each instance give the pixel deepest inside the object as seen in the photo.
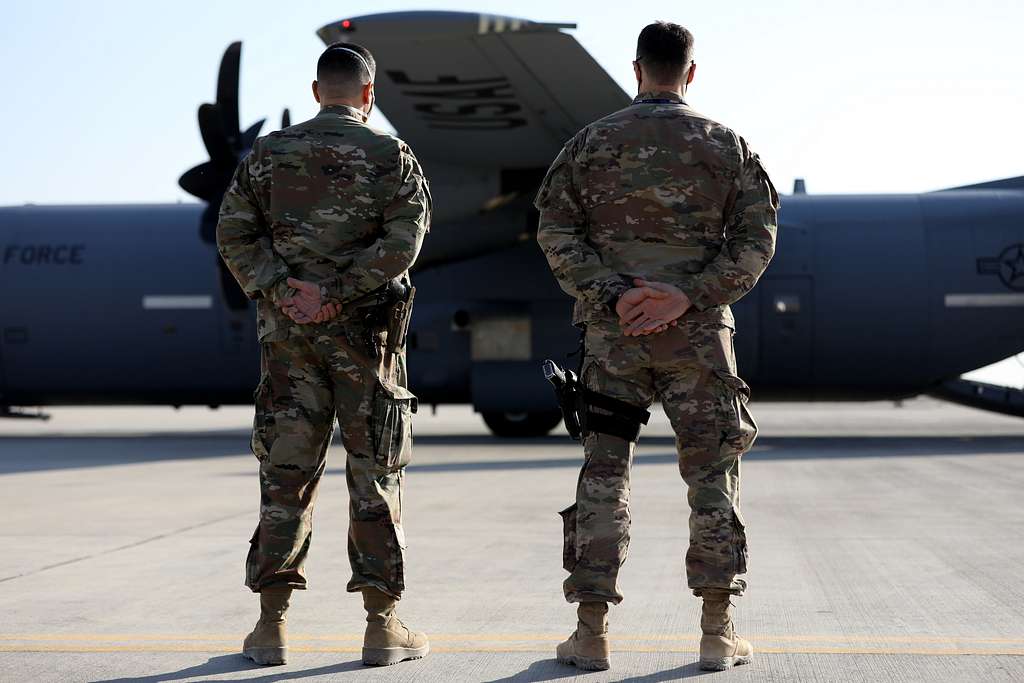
(377, 551)
(252, 563)
(739, 428)
(569, 537)
(739, 542)
(393, 408)
(263, 421)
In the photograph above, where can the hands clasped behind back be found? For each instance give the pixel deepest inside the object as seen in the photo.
(306, 306)
(650, 308)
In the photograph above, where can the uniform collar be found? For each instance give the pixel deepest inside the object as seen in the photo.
(661, 95)
(341, 110)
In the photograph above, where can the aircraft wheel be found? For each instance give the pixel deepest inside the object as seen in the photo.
(522, 425)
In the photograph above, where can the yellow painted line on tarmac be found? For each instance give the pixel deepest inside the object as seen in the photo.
(956, 651)
(115, 637)
(513, 637)
(517, 642)
(884, 639)
(1011, 652)
(119, 648)
(793, 638)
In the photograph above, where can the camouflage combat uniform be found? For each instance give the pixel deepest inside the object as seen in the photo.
(661, 192)
(335, 202)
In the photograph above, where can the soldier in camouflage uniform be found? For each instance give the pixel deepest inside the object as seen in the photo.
(656, 218)
(320, 225)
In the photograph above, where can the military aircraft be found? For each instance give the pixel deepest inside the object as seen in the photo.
(868, 297)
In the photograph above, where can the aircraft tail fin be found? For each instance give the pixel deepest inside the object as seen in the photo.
(1016, 183)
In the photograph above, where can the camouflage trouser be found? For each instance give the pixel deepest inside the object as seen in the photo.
(305, 383)
(692, 370)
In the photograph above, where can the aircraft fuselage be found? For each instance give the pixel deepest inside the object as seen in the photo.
(867, 297)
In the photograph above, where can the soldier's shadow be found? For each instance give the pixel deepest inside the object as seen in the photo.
(691, 670)
(542, 670)
(552, 670)
(233, 663)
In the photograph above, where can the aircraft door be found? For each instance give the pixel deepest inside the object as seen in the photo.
(786, 330)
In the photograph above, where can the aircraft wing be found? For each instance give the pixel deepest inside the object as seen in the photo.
(477, 90)
(1016, 183)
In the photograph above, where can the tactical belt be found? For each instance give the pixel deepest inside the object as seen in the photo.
(385, 295)
(624, 421)
(387, 308)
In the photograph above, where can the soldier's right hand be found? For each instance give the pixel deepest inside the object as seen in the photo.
(306, 301)
(663, 305)
(327, 312)
(632, 317)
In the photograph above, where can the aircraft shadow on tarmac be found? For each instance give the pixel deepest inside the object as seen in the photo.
(41, 453)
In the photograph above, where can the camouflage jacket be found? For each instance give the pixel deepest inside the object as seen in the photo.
(657, 191)
(331, 201)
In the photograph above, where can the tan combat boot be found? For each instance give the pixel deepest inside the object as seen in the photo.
(268, 642)
(388, 640)
(587, 648)
(720, 647)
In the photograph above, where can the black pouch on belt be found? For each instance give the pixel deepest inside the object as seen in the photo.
(399, 317)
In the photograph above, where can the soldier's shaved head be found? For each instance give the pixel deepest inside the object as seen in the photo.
(343, 70)
(664, 52)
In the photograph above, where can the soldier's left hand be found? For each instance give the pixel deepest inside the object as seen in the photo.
(329, 311)
(655, 326)
(630, 311)
(306, 302)
(663, 307)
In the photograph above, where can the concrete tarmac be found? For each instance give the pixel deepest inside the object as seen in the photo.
(886, 545)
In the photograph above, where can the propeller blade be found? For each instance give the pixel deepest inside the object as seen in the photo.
(251, 133)
(204, 181)
(227, 92)
(286, 118)
(211, 127)
(224, 141)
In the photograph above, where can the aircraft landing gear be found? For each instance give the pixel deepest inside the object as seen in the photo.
(522, 425)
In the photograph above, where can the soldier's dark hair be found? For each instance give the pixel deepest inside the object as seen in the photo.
(665, 50)
(344, 68)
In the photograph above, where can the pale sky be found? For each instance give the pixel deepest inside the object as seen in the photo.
(879, 96)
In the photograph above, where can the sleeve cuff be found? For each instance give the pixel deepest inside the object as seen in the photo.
(699, 298)
(329, 290)
(277, 291)
(613, 292)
